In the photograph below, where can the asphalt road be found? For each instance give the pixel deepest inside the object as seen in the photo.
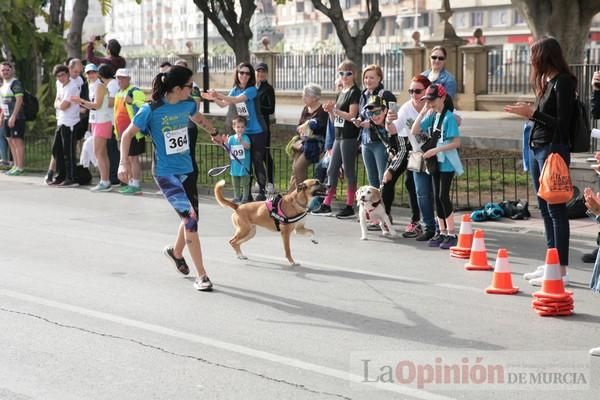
(91, 309)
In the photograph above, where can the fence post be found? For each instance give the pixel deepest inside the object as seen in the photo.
(475, 74)
(414, 63)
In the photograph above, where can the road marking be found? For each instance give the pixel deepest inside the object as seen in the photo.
(231, 347)
(367, 272)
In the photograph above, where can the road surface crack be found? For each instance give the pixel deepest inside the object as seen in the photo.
(298, 386)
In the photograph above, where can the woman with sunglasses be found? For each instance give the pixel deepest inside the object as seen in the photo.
(345, 145)
(373, 146)
(438, 73)
(418, 184)
(166, 121)
(437, 118)
(243, 98)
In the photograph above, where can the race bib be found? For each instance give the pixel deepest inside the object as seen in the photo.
(176, 141)
(5, 110)
(241, 109)
(338, 122)
(237, 151)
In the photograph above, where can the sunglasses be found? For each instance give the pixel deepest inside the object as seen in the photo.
(374, 113)
(441, 58)
(415, 91)
(345, 73)
(189, 86)
(244, 73)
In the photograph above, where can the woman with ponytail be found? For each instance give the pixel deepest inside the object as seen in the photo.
(165, 120)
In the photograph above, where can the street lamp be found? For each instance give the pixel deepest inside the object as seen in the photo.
(205, 80)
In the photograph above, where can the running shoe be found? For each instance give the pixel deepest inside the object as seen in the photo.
(204, 284)
(323, 210)
(17, 172)
(412, 230)
(102, 187)
(49, 178)
(436, 240)
(540, 281)
(67, 183)
(179, 263)
(130, 190)
(345, 213)
(538, 273)
(449, 241)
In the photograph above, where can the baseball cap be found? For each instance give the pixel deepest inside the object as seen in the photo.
(90, 67)
(376, 102)
(434, 91)
(261, 65)
(123, 72)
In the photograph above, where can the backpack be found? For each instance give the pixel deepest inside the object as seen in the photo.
(31, 105)
(579, 137)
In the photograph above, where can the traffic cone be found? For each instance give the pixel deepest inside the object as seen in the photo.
(465, 239)
(553, 299)
(502, 279)
(478, 260)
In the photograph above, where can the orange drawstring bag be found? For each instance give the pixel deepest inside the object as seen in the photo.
(555, 180)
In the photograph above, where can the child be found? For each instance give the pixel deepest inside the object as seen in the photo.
(240, 160)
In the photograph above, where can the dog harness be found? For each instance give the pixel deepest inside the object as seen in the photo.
(368, 212)
(274, 207)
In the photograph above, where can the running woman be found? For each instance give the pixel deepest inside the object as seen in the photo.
(165, 120)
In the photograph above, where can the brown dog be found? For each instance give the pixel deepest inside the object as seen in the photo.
(247, 216)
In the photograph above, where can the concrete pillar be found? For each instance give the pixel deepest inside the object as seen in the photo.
(414, 63)
(475, 74)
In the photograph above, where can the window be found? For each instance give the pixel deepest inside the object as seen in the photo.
(299, 6)
(477, 18)
(518, 18)
(499, 18)
(461, 20)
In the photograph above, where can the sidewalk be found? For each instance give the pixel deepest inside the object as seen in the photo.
(481, 129)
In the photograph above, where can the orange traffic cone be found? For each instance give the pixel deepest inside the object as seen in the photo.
(465, 239)
(478, 260)
(502, 279)
(553, 299)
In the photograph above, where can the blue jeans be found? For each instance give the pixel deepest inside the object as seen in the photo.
(424, 189)
(375, 157)
(3, 146)
(556, 219)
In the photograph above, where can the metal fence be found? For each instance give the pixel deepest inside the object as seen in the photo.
(485, 179)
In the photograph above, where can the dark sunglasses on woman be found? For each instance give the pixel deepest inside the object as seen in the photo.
(415, 91)
(345, 73)
(441, 58)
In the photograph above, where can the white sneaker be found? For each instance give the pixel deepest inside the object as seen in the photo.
(595, 352)
(270, 188)
(539, 281)
(538, 273)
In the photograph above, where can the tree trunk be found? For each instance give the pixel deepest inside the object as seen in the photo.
(73, 42)
(56, 20)
(569, 21)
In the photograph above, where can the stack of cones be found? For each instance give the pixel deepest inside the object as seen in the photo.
(553, 300)
(502, 279)
(465, 239)
(478, 260)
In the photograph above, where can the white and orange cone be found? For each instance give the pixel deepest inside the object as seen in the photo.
(465, 239)
(553, 299)
(478, 260)
(502, 278)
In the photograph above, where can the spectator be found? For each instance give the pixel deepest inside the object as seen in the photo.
(67, 116)
(418, 184)
(113, 48)
(554, 86)
(592, 202)
(128, 100)
(345, 146)
(243, 98)
(13, 116)
(321, 168)
(165, 66)
(438, 72)
(240, 164)
(266, 98)
(310, 147)
(373, 148)
(438, 118)
(192, 127)
(166, 121)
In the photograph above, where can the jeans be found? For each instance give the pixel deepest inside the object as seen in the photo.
(556, 219)
(424, 189)
(375, 158)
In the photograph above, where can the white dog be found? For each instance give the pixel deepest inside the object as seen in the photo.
(371, 209)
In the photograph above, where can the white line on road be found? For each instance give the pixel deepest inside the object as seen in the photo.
(231, 347)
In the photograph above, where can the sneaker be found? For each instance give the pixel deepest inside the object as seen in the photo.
(67, 183)
(102, 187)
(426, 235)
(323, 210)
(179, 263)
(590, 257)
(540, 281)
(270, 188)
(204, 284)
(449, 241)
(10, 171)
(412, 230)
(49, 178)
(436, 240)
(56, 182)
(17, 172)
(373, 227)
(345, 213)
(130, 190)
(538, 273)
(260, 196)
(595, 351)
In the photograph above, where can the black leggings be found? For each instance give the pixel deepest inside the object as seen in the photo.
(388, 190)
(409, 183)
(442, 181)
(258, 143)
